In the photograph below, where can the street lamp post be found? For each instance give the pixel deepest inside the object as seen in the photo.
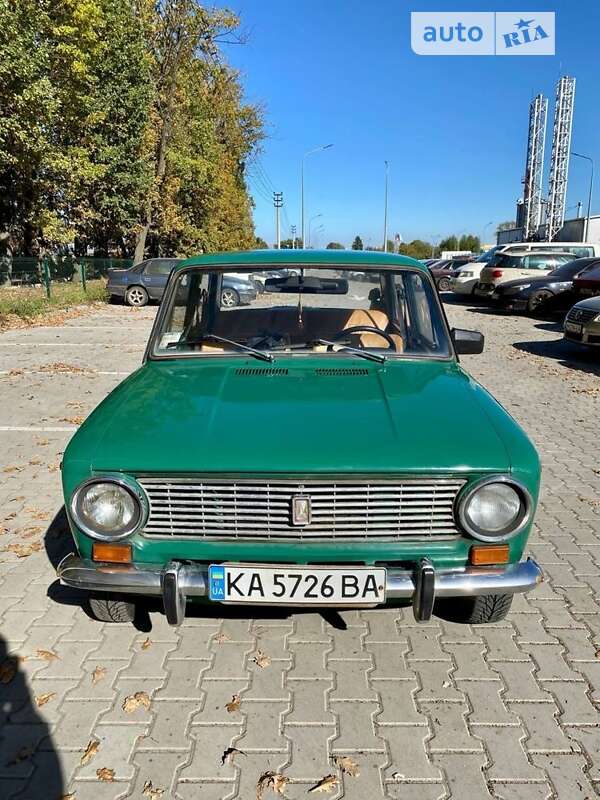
(308, 153)
(589, 207)
(310, 221)
(385, 209)
(485, 227)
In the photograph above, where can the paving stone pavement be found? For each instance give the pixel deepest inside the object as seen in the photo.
(507, 711)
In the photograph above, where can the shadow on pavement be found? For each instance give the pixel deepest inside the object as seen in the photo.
(29, 764)
(567, 354)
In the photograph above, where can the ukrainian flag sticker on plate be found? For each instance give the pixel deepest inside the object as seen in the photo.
(216, 582)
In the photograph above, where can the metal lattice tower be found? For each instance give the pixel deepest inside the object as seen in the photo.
(559, 165)
(532, 192)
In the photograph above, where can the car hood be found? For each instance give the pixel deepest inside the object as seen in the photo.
(592, 303)
(232, 415)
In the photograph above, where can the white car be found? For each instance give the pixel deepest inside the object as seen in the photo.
(465, 278)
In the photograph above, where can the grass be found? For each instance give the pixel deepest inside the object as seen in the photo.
(28, 303)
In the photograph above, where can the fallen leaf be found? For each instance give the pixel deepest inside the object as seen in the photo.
(230, 753)
(47, 655)
(326, 784)
(42, 442)
(42, 699)
(35, 461)
(53, 467)
(22, 550)
(153, 792)
(22, 755)
(73, 420)
(98, 675)
(105, 774)
(41, 515)
(233, 704)
(13, 469)
(271, 780)
(261, 659)
(397, 776)
(90, 751)
(347, 765)
(146, 643)
(8, 669)
(70, 796)
(10, 516)
(222, 637)
(135, 701)
(60, 366)
(33, 530)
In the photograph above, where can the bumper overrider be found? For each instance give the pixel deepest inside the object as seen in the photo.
(177, 581)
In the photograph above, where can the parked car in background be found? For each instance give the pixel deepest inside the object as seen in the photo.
(147, 281)
(465, 278)
(508, 266)
(545, 293)
(582, 323)
(588, 283)
(444, 271)
(347, 487)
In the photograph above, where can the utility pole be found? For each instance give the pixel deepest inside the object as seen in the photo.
(293, 237)
(385, 209)
(277, 202)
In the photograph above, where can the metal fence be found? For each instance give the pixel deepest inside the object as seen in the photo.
(24, 271)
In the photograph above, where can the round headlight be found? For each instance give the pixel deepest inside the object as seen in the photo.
(106, 509)
(495, 509)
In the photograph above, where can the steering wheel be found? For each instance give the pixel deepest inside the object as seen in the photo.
(365, 329)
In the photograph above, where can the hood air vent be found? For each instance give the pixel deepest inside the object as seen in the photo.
(342, 371)
(246, 372)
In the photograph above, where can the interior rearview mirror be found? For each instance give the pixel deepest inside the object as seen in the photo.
(467, 342)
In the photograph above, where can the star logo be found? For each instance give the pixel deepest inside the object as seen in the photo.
(523, 23)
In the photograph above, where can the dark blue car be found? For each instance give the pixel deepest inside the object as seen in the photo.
(147, 281)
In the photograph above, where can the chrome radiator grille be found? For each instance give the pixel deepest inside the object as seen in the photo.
(263, 509)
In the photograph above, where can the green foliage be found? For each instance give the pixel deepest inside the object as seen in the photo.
(470, 242)
(335, 246)
(260, 244)
(357, 244)
(28, 303)
(449, 243)
(416, 249)
(121, 125)
(288, 244)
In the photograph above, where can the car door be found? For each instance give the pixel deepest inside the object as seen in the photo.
(535, 265)
(155, 276)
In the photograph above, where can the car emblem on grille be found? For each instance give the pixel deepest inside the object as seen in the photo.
(301, 510)
(578, 314)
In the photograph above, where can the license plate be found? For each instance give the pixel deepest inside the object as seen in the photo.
(239, 583)
(573, 327)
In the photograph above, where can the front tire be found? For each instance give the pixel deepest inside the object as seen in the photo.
(229, 298)
(478, 610)
(111, 609)
(537, 300)
(136, 296)
(444, 285)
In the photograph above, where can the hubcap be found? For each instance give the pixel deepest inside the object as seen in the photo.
(227, 299)
(136, 297)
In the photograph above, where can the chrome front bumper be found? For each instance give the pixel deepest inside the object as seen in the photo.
(177, 581)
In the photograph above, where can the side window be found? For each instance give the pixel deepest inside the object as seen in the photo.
(158, 267)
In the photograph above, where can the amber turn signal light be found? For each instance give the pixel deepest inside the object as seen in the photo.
(113, 553)
(492, 554)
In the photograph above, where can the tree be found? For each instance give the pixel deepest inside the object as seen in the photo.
(260, 244)
(416, 249)
(357, 244)
(335, 246)
(288, 244)
(470, 242)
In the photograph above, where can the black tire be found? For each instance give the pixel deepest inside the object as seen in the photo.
(136, 296)
(477, 610)
(111, 609)
(444, 285)
(229, 298)
(536, 302)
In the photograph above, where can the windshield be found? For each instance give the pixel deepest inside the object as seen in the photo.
(268, 313)
(488, 255)
(566, 272)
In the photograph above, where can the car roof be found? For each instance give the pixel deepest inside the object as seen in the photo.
(314, 258)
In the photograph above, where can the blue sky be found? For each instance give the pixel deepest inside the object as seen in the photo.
(452, 128)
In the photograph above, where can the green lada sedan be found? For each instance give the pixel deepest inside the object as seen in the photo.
(292, 452)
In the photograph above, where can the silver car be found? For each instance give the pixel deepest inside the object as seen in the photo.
(582, 323)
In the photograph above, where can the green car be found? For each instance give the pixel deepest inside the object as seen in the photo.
(292, 452)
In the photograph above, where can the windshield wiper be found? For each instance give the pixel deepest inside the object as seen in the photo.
(362, 353)
(214, 338)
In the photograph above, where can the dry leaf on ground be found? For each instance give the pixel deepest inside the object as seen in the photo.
(13, 469)
(42, 442)
(153, 792)
(219, 638)
(271, 780)
(347, 765)
(326, 784)
(135, 701)
(90, 751)
(22, 550)
(73, 420)
(32, 530)
(70, 796)
(261, 659)
(35, 461)
(98, 675)
(146, 643)
(229, 753)
(42, 699)
(233, 704)
(8, 669)
(105, 774)
(47, 655)
(60, 366)
(22, 755)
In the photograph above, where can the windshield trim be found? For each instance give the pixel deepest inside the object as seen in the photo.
(150, 355)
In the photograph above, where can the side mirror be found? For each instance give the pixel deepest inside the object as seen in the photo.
(467, 342)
